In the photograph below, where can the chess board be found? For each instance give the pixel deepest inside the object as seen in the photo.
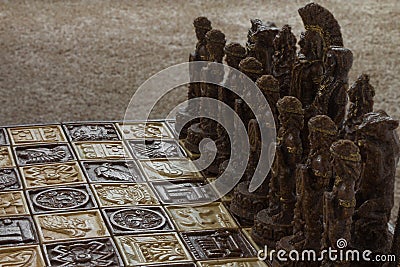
(76, 194)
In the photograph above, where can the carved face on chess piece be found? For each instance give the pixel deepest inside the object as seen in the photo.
(201, 26)
(311, 45)
(362, 93)
(269, 86)
(338, 62)
(234, 52)
(215, 43)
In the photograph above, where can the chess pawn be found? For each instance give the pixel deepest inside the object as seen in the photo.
(206, 127)
(255, 24)
(379, 146)
(331, 98)
(361, 95)
(201, 25)
(284, 58)
(313, 179)
(339, 204)
(269, 86)
(267, 229)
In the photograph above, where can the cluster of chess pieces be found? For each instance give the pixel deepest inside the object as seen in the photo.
(334, 169)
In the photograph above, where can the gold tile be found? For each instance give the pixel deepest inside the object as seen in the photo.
(13, 203)
(101, 150)
(171, 169)
(52, 174)
(152, 248)
(109, 195)
(233, 263)
(211, 216)
(26, 256)
(70, 225)
(36, 134)
(6, 158)
(141, 130)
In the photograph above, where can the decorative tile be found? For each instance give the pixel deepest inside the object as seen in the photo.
(9, 180)
(3, 137)
(183, 192)
(188, 264)
(95, 252)
(247, 233)
(6, 158)
(155, 149)
(52, 174)
(172, 169)
(13, 203)
(71, 225)
(137, 220)
(152, 248)
(233, 263)
(171, 127)
(36, 134)
(60, 199)
(140, 130)
(27, 256)
(91, 132)
(17, 231)
(113, 172)
(109, 195)
(211, 216)
(40, 154)
(101, 151)
(218, 244)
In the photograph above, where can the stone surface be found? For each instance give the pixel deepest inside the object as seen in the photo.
(67, 173)
(109, 195)
(71, 225)
(211, 216)
(6, 159)
(17, 231)
(170, 169)
(218, 244)
(155, 149)
(77, 132)
(152, 248)
(101, 151)
(60, 199)
(140, 130)
(113, 172)
(9, 179)
(13, 203)
(3, 137)
(137, 220)
(26, 256)
(40, 154)
(232, 263)
(36, 134)
(93, 252)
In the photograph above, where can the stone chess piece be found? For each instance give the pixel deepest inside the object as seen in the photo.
(380, 149)
(271, 225)
(201, 25)
(284, 58)
(206, 127)
(331, 98)
(361, 95)
(339, 204)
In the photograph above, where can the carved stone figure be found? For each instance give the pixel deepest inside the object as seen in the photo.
(201, 25)
(284, 58)
(215, 43)
(361, 95)
(331, 98)
(380, 149)
(270, 228)
(234, 54)
(339, 204)
(269, 86)
(322, 31)
(263, 48)
(313, 179)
